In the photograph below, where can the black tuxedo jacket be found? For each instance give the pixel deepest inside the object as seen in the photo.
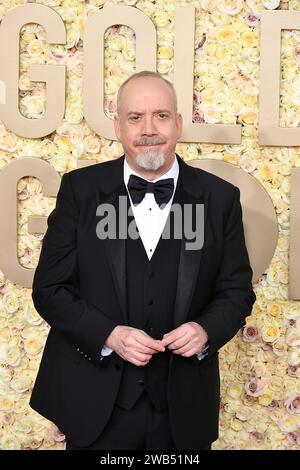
(79, 288)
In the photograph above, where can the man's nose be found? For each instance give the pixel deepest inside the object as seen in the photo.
(149, 127)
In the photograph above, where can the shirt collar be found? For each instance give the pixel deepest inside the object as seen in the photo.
(173, 172)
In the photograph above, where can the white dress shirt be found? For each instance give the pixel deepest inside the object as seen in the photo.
(150, 219)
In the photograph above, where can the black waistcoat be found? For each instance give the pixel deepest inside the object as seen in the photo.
(151, 290)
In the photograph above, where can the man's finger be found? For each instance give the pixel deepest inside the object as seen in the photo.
(173, 337)
(150, 342)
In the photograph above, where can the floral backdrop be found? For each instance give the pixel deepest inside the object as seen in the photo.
(260, 368)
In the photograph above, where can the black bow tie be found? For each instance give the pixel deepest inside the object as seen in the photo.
(162, 189)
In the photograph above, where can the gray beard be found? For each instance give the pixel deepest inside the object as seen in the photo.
(150, 160)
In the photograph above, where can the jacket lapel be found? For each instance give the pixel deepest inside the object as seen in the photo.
(189, 262)
(109, 193)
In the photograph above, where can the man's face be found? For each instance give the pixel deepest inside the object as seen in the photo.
(148, 126)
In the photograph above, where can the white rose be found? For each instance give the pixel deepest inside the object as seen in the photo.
(271, 4)
(294, 358)
(13, 355)
(9, 442)
(10, 302)
(21, 383)
(230, 7)
(211, 115)
(32, 345)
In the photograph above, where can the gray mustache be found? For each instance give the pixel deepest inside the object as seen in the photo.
(150, 142)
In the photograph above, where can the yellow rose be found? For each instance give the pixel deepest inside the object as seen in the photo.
(27, 37)
(8, 142)
(270, 333)
(249, 39)
(161, 19)
(230, 158)
(225, 34)
(74, 115)
(35, 48)
(234, 390)
(147, 7)
(165, 52)
(33, 106)
(249, 118)
(265, 399)
(222, 54)
(7, 404)
(288, 424)
(209, 49)
(32, 345)
(235, 424)
(274, 309)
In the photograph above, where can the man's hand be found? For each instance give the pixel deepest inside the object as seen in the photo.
(133, 345)
(188, 339)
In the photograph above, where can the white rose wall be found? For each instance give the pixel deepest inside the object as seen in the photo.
(260, 367)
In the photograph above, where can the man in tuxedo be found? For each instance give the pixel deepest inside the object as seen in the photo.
(131, 359)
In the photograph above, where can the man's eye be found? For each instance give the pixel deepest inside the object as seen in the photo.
(162, 115)
(134, 118)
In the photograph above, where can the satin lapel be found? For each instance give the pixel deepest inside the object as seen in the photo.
(189, 265)
(115, 248)
(190, 260)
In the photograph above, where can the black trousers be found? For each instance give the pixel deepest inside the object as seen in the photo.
(141, 428)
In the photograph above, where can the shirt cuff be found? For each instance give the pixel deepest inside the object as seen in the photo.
(105, 351)
(202, 353)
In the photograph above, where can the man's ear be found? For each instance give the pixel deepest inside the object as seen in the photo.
(179, 125)
(117, 126)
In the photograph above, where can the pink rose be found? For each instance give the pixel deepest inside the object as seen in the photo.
(58, 436)
(32, 445)
(254, 387)
(202, 42)
(292, 437)
(252, 19)
(274, 404)
(293, 371)
(292, 404)
(258, 436)
(250, 333)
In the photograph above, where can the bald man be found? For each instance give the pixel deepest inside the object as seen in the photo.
(143, 276)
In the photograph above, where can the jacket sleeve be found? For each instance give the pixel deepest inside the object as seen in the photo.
(233, 295)
(55, 289)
